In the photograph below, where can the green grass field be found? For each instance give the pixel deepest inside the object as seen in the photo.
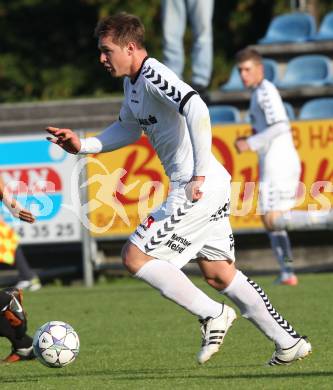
(131, 338)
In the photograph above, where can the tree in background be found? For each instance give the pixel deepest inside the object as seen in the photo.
(48, 50)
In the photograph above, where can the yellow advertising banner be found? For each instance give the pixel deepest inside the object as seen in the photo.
(130, 182)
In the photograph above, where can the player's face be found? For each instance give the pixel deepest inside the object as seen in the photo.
(251, 73)
(116, 59)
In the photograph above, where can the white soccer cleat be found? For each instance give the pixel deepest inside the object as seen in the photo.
(213, 331)
(33, 284)
(289, 355)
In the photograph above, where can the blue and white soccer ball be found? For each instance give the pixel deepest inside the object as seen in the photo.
(56, 344)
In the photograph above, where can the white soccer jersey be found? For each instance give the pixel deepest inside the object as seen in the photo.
(278, 158)
(270, 123)
(266, 107)
(160, 102)
(173, 117)
(268, 117)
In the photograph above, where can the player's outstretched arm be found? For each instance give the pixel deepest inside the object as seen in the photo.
(14, 206)
(65, 138)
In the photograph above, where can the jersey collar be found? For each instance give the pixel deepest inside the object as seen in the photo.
(139, 71)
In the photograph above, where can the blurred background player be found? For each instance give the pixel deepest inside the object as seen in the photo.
(11, 253)
(200, 15)
(193, 222)
(279, 164)
(13, 326)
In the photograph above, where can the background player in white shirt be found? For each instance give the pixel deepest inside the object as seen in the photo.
(193, 222)
(279, 165)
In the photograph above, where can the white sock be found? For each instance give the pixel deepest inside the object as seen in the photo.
(255, 306)
(176, 286)
(298, 219)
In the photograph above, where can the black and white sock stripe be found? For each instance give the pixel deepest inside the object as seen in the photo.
(169, 226)
(278, 318)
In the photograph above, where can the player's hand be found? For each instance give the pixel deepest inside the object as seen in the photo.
(192, 188)
(242, 145)
(65, 138)
(17, 210)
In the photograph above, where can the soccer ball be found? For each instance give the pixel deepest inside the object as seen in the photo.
(56, 344)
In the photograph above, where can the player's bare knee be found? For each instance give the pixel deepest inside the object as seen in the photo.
(268, 221)
(133, 258)
(128, 258)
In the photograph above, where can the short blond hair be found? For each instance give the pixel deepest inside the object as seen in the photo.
(248, 54)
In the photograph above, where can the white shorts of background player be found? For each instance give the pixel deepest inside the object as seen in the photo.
(279, 172)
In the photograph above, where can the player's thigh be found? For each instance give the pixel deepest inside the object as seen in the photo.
(269, 218)
(133, 257)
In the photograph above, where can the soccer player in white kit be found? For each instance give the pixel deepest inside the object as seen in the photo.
(279, 164)
(193, 221)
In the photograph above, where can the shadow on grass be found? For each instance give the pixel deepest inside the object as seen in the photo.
(158, 374)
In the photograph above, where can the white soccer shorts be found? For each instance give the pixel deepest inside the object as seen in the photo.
(180, 230)
(278, 196)
(279, 176)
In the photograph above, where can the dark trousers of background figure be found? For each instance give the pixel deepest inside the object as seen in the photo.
(21, 263)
